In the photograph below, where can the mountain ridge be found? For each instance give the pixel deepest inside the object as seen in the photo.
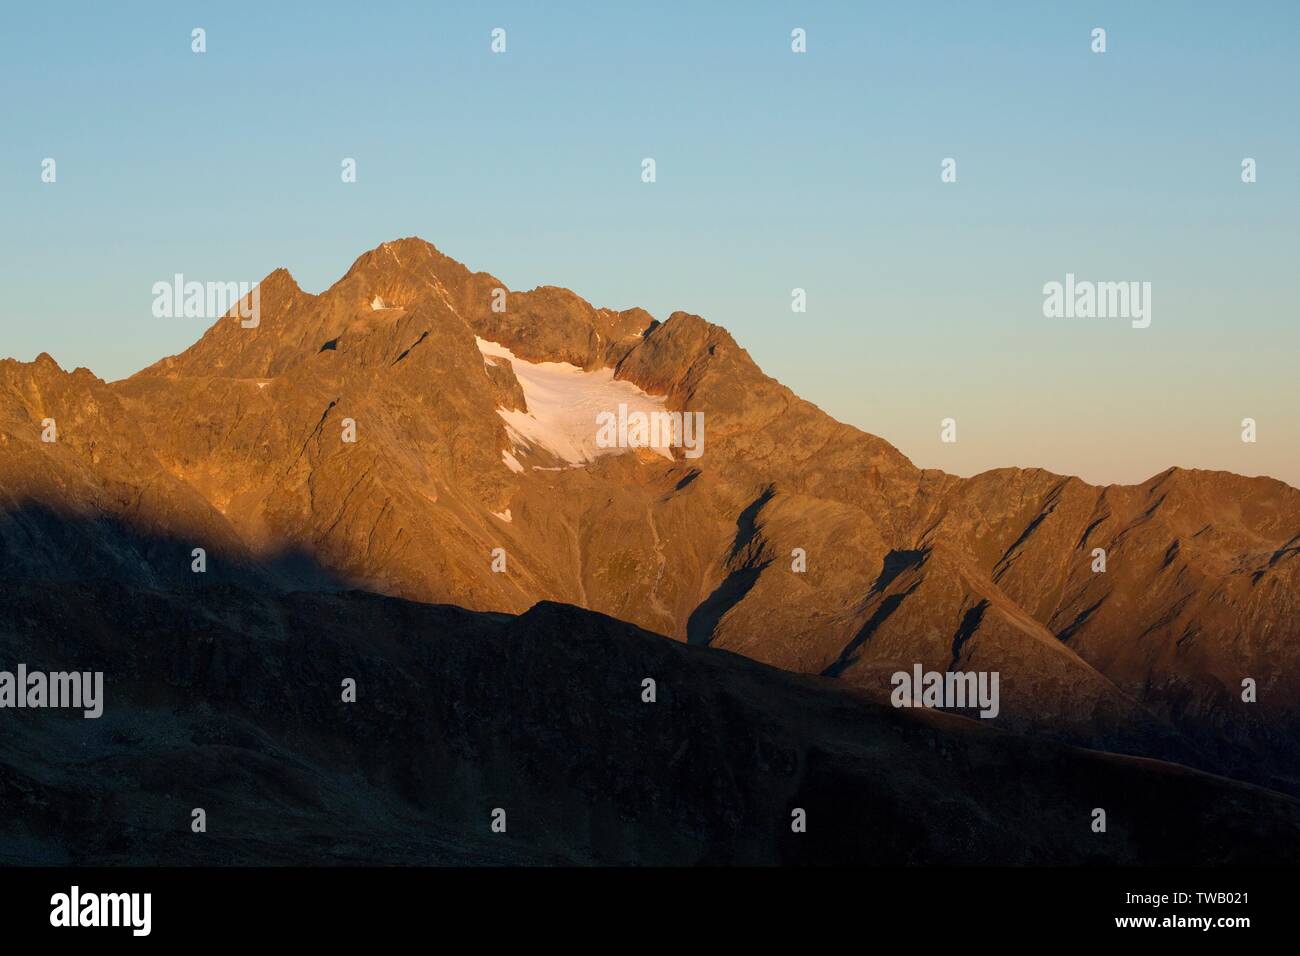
(228, 699)
(236, 442)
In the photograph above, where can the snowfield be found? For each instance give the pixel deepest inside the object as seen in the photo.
(563, 402)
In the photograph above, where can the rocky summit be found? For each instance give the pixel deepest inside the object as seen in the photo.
(404, 482)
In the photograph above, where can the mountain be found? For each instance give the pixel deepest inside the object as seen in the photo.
(474, 413)
(227, 700)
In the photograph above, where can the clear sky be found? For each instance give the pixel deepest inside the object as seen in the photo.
(775, 170)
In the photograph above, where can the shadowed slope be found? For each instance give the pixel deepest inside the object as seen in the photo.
(230, 700)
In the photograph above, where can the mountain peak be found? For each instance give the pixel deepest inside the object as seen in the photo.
(280, 280)
(408, 253)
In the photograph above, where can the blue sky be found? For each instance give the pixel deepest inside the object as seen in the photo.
(775, 171)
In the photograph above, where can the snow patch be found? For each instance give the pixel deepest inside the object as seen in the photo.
(377, 304)
(503, 515)
(563, 402)
(511, 462)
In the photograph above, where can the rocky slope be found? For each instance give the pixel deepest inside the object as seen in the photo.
(237, 445)
(229, 700)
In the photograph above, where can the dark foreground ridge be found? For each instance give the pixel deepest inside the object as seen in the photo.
(229, 699)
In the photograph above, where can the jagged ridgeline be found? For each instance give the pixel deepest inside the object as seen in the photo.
(421, 431)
